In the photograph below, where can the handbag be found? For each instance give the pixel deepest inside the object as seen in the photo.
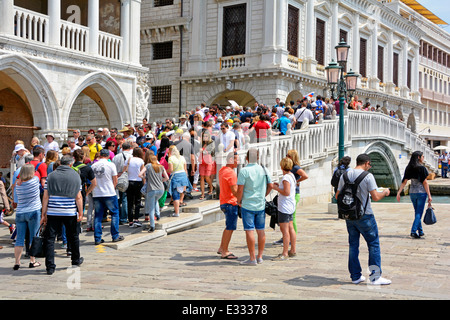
(37, 244)
(430, 217)
(122, 181)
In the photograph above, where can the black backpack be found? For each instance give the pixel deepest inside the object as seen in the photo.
(349, 205)
(337, 176)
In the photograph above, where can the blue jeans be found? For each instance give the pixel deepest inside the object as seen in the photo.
(418, 200)
(100, 204)
(123, 207)
(367, 227)
(152, 205)
(444, 169)
(27, 220)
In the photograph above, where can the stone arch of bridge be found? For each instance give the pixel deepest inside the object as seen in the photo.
(384, 165)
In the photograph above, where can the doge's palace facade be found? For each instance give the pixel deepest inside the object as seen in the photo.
(67, 64)
(258, 50)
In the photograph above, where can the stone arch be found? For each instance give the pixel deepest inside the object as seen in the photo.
(384, 165)
(242, 98)
(108, 95)
(293, 96)
(32, 86)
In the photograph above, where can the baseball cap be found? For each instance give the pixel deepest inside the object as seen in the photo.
(104, 153)
(149, 136)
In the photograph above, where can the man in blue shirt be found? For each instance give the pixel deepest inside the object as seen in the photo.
(254, 184)
(284, 121)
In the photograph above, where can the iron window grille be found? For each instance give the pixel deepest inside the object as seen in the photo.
(234, 30)
(161, 94)
(162, 50)
(293, 16)
(162, 3)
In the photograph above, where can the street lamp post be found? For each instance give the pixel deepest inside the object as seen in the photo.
(341, 83)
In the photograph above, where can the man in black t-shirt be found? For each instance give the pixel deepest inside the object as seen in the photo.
(88, 181)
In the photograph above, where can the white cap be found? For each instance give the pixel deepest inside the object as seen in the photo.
(19, 147)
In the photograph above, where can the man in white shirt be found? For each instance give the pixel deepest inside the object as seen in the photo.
(105, 197)
(303, 114)
(226, 137)
(51, 144)
(73, 145)
(120, 161)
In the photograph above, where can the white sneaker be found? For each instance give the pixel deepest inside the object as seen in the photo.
(249, 262)
(259, 260)
(380, 281)
(361, 279)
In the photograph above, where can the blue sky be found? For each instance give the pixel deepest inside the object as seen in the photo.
(440, 8)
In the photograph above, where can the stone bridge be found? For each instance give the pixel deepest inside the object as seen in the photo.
(387, 140)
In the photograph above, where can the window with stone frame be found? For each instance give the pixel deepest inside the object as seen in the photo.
(380, 63)
(395, 69)
(234, 30)
(363, 57)
(293, 26)
(161, 94)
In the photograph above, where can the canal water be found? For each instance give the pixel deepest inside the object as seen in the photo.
(406, 199)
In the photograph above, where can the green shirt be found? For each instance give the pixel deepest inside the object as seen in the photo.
(254, 178)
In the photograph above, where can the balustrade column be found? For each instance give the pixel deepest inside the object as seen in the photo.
(54, 15)
(93, 24)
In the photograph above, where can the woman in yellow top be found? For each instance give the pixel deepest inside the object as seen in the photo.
(179, 178)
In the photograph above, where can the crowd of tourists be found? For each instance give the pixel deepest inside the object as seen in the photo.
(107, 174)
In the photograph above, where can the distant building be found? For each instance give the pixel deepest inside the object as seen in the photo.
(255, 51)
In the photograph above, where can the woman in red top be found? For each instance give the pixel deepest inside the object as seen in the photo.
(261, 127)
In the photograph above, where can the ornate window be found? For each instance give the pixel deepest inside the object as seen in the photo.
(363, 57)
(395, 69)
(234, 30)
(380, 63)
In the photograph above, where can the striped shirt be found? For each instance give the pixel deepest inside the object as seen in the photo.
(61, 206)
(27, 196)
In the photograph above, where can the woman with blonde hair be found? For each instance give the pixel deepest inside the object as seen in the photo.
(87, 154)
(286, 208)
(179, 182)
(154, 175)
(28, 211)
(300, 175)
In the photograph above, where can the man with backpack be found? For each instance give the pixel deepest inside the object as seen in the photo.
(354, 205)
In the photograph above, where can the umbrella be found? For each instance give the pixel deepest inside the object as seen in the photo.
(441, 148)
(233, 103)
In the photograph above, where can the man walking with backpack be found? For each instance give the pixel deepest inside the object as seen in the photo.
(362, 220)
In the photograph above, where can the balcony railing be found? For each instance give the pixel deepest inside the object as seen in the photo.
(232, 62)
(34, 26)
(30, 25)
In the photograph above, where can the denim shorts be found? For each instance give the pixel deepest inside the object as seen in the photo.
(231, 215)
(285, 217)
(253, 219)
(27, 221)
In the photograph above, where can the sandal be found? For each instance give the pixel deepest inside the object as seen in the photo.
(34, 265)
(202, 198)
(183, 204)
(229, 256)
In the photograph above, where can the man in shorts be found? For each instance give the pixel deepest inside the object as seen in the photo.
(228, 202)
(254, 184)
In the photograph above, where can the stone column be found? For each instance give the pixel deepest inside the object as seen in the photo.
(197, 43)
(356, 44)
(135, 31)
(125, 29)
(373, 78)
(334, 28)
(54, 14)
(281, 25)
(390, 86)
(7, 14)
(93, 24)
(310, 61)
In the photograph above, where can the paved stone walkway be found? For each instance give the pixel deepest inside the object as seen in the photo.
(185, 265)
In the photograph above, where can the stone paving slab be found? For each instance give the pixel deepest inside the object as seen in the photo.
(185, 266)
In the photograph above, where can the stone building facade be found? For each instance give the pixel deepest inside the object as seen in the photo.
(61, 58)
